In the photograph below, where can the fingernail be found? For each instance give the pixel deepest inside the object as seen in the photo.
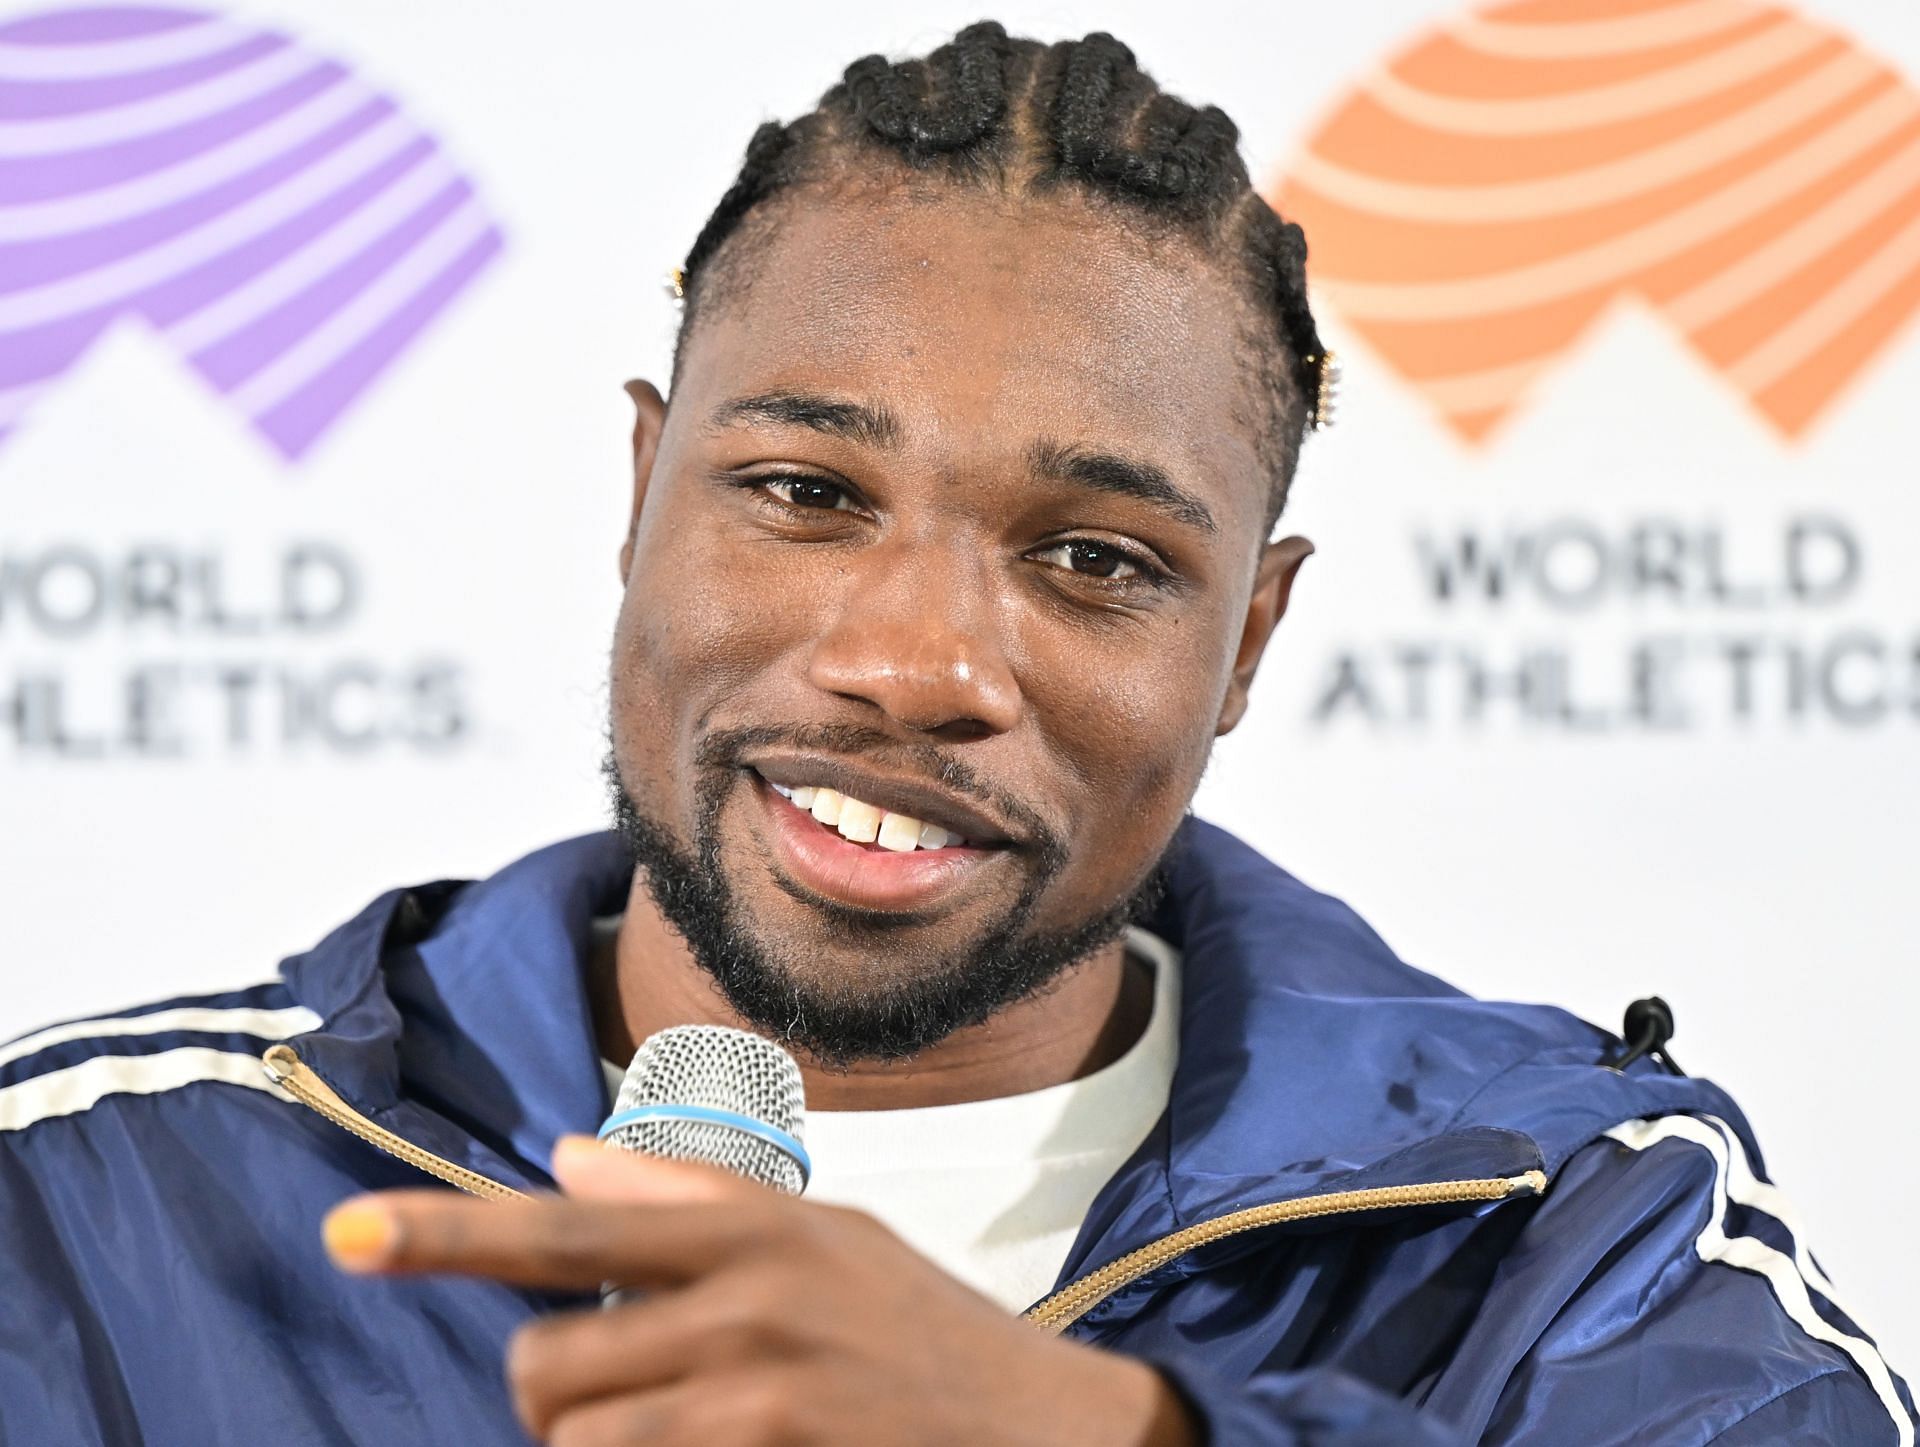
(360, 1236)
(575, 1155)
(577, 1148)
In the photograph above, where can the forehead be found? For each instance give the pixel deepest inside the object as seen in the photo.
(984, 324)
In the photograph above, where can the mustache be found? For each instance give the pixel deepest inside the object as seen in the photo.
(726, 749)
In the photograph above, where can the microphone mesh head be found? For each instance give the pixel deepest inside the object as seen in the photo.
(716, 1068)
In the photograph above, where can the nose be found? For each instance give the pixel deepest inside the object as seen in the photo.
(915, 635)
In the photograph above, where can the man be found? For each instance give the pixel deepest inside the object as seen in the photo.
(947, 563)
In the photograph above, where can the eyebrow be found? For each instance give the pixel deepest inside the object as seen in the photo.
(1127, 476)
(861, 422)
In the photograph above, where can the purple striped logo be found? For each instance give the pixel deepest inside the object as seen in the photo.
(285, 226)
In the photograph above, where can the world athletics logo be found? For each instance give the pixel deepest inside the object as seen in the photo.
(1479, 201)
(283, 225)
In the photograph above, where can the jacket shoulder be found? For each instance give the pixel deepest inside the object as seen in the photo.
(1225, 899)
(61, 1072)
(1661, 1257)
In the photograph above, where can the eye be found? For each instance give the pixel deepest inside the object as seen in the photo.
(812, 493)
(1093, 560)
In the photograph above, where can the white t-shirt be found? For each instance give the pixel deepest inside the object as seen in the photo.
(994, 1191)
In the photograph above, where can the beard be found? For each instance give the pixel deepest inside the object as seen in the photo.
(895, 1018)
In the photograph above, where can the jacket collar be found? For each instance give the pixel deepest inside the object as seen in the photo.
(1311, 1058)
(457, 1013)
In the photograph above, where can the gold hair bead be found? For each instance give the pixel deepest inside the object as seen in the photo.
(676, 283)
(1326, 399)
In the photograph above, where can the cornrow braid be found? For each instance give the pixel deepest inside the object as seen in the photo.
(988, 109)
(950, 101)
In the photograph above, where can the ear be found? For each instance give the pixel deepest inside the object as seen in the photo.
(649, 418)
(1272, 587)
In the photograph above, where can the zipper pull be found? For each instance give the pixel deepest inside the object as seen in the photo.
(280, 1062)
(292, 1075)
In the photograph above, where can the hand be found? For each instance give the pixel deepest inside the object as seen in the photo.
(766, 1320)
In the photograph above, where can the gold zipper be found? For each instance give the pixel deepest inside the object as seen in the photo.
(293, 1075)
(1060, 1310)
(1077, 1298)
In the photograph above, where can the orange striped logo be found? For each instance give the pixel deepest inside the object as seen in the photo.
(1474, 205)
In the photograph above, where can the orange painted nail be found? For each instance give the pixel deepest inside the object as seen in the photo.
(360, 1236)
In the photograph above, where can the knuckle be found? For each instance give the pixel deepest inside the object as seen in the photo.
(841, 1236)
(730, 1343)
(770, 1233)
(810, 1235)
(575, 1241)
(430, 1234)
(559, 1241)
(848, 1223)
(766, 1411)
(745, 1322)
(766, 1297)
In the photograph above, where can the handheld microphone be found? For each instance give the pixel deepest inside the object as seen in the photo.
(714, 1094)
(709, 1093)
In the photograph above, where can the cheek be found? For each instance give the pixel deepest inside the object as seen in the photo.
(709, 599)
(1133, 716)
(704, 614)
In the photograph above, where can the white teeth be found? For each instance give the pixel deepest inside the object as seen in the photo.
(859, 821)
(900, 833)
(864, 823)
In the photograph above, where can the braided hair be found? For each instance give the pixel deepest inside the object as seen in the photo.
(988, 110)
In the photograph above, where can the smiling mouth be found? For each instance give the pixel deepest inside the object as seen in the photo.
(869, 858)
(858, 822)
(898, 812)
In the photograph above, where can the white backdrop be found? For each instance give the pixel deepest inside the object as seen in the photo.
(364, 641)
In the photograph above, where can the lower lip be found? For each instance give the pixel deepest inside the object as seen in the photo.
(820, 860)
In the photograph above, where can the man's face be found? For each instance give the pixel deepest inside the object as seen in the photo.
(956, 512)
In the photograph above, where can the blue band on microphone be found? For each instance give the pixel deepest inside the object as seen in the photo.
(788, 1145)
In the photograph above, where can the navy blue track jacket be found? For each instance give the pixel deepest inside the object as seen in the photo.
(1375, 1211)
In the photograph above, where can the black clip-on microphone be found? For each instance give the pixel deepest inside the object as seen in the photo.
(1645, 1031)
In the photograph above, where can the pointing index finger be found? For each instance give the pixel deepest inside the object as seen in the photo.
(549, 1241)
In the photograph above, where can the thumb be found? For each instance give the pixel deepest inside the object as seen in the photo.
(592, 1172)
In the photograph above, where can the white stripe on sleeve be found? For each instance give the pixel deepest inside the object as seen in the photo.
(1733, 1177)
(81, 1087)
(267, 1024)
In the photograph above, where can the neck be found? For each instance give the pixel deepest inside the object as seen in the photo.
(645, 980)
